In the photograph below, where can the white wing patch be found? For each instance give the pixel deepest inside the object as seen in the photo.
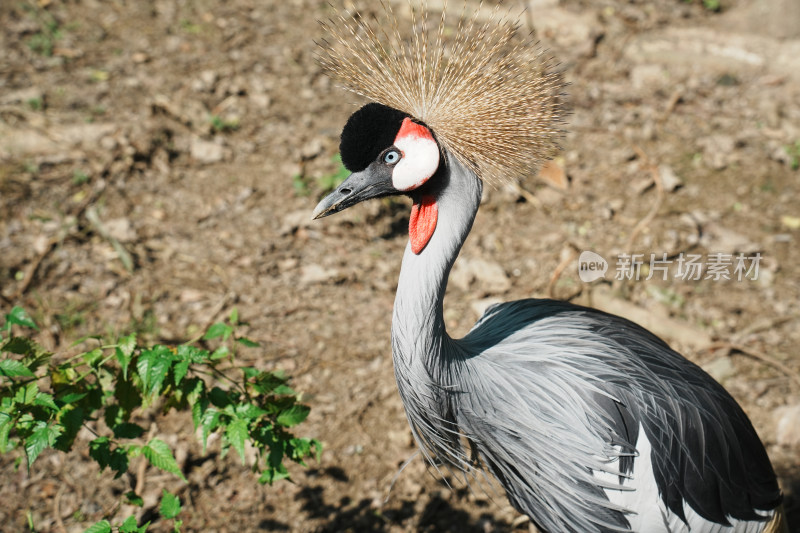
(647, 511)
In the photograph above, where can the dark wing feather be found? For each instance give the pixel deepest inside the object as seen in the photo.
(705, 450)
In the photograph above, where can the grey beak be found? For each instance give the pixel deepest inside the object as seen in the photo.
(374, 181)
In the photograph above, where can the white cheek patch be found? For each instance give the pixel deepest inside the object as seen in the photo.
(420, 156)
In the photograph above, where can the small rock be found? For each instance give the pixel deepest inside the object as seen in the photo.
(553, 173)
(295, 220)
(22, 96)
(188, 296)
(720, 369)
(717, 239)
(787, 432)
(640, 185)
(718, 150)
(310, 274)
(311, 149)
(669, 180)
(790, 222)
(121, 229)
(490, 275)
(206, 151)
(354, 449)
(260, 100)
(207, 80)
(648, 77)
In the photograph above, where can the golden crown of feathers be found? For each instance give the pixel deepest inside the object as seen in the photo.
(483, 86)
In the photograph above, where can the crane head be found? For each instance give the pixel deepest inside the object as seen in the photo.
(387, 152)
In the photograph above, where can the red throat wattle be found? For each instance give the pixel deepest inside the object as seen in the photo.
(424, 214)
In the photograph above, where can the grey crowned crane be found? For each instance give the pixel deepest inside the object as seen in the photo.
(588, 421)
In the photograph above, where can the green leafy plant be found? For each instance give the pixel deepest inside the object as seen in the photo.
(222, 125)
(329, 182)
(326, 183)
(43, 41)
(711, 5)
(793, 151)
(35, 104)
(45, 400)
(300, 185)
(169, 509)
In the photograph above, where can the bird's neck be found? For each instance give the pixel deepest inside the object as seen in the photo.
(418, 330)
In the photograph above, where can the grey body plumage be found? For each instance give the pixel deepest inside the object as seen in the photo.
(589, 422)
(547, 392)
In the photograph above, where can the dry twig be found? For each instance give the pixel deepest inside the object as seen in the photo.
(760, 356)
(551, 285)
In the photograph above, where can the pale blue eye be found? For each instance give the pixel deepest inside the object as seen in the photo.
(391, 157)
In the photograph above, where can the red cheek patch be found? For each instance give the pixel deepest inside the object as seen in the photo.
(424, 215)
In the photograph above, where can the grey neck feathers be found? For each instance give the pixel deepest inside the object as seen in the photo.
(418, 330)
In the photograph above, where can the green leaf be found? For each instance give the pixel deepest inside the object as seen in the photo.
(93, 357)
(293, 415)
(219, 353)
(249, 371)
(5, 429)
(160, 455)
(127, 344)
(244, 341)
(153, 365)
(129, 525)
(128, 395)
(20, 317)
(99, 527)
(13, 368)
(45, 400)
(170, 505)
(267, 382)
(218, 330)
(20, 346)
(119, 462)
(221, 398)
(192, 353)
(134, 450)
(273, 474)
(43, 436)
(180, 370)
(248, 410)
(134, 499)
(284, 390)
(127, 430)
(71, 420)
(116, 459)
(209, 421)
(100, 451)
(124, 352)
(41, 358)
(69, 396)
(234, 316)
(236, 433)
(317, 449)
(27, 394)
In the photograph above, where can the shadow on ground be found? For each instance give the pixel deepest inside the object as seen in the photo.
(346, 514)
